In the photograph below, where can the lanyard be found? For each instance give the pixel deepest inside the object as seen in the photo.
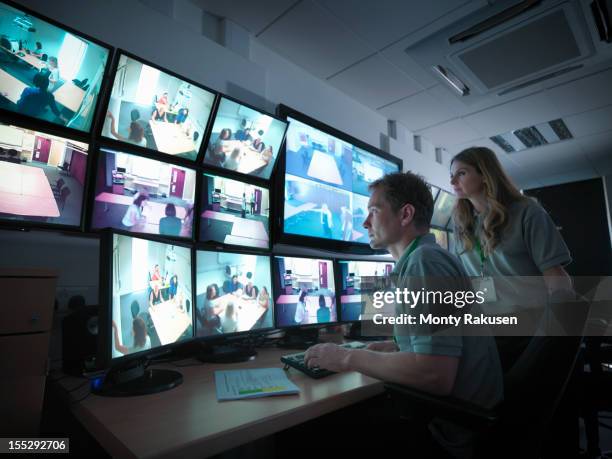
(481, 254)
(413, 245)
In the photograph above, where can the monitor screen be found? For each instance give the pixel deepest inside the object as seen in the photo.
(151, 295)
(149, 196)
(443, 209)
(359, 277)
(235, 212)
(244, 140)
(158, 111)
(233, 293)
(46, 72)
(42, 177)
(434, 191)
(326, 184)
(305, 292)
(441, 237)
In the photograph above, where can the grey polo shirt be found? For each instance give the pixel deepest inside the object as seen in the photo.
(529, 245)
(479, 375)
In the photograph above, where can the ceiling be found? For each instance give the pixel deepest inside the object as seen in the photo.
(376, 56)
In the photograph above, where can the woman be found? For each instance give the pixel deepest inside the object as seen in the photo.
(326, 221)
(142, 341)
(182, 115)
(133, 215)
(210, 321)
(229, 321)
(267, 154)
(54, 74)
(233, 161)
(264, 298)
(217, 150)
(301, 316)
(173, 289)
(170, 225)
(323, 313)
(507, 241)
(159, 114)
(258, 145)
(155, 297)
(136, 133)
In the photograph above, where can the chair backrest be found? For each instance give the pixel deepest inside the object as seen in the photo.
(64, 193)
(536, 382)
(59, 184)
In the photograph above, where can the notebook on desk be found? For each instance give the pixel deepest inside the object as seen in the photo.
(255, 383)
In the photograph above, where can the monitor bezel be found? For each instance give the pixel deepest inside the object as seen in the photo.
(200, 206)
(20, 118)
(92, 194)
(360, 248)
(105, 352)
(241, 334)
(223, 171)
(276, 287)
(33, 125)
(144, 150)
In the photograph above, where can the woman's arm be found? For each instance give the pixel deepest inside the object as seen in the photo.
(557, 279)
(118, 346)
(113, 127)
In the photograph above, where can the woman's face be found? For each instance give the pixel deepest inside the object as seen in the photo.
(466, 180)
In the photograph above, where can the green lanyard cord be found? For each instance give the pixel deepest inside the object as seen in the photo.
(481, 254)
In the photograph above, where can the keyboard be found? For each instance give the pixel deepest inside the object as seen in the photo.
(297, 361)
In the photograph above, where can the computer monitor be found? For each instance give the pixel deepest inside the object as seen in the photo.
(441, 237)
(151, 295)
(244, 139)
(304, 291)
(326, 178)
(150, 196)
(443, 209)
(42, 177)
(233, 293)
(155, 109)
(434, 191)
(357, 278)
(48, 71)
(234, 212)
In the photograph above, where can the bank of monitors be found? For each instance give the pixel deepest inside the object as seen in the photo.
(244, 140)
(233, 293)
(358, 278)
(48, 72)
(326, 182)
(234, 212)
(443, 209)
(153, 109)
(143, 195)
(304, 291)
(42, 177)
(151, 294)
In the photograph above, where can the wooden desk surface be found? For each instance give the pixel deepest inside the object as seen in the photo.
(188, 421)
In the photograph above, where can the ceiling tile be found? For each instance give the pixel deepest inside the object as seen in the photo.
(389, 20)
(591, 122)
(253, 16)
(450, 133)
(579, 96)
(311, 37)
(375, 82)
(418, 111)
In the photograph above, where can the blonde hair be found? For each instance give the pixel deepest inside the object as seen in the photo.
(499, 193)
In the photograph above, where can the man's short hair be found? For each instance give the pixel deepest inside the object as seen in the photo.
(401, 188)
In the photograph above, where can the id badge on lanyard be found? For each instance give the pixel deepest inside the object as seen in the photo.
(484, 283)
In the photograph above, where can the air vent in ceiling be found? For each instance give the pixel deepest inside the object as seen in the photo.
(533, 136)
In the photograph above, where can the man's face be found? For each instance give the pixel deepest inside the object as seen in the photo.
(383, 224)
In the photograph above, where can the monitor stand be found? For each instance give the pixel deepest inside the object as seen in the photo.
(225, 353)
(355, 334)
(134, 379)
(299, 338)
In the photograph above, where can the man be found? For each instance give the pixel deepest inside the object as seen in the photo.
(399, 214)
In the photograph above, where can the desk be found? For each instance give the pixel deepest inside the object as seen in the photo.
(25, 190)
(249, 160)
(244, 231)
(70, 96)
(170, 138)
(189, 422)
(32, 61)
(11, 86)
(323, 167)
(170, 320)
(248, 311)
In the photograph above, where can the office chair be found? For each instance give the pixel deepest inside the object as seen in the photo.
(44, 57)
(65, 168)
(533, 388)
(57, 187)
